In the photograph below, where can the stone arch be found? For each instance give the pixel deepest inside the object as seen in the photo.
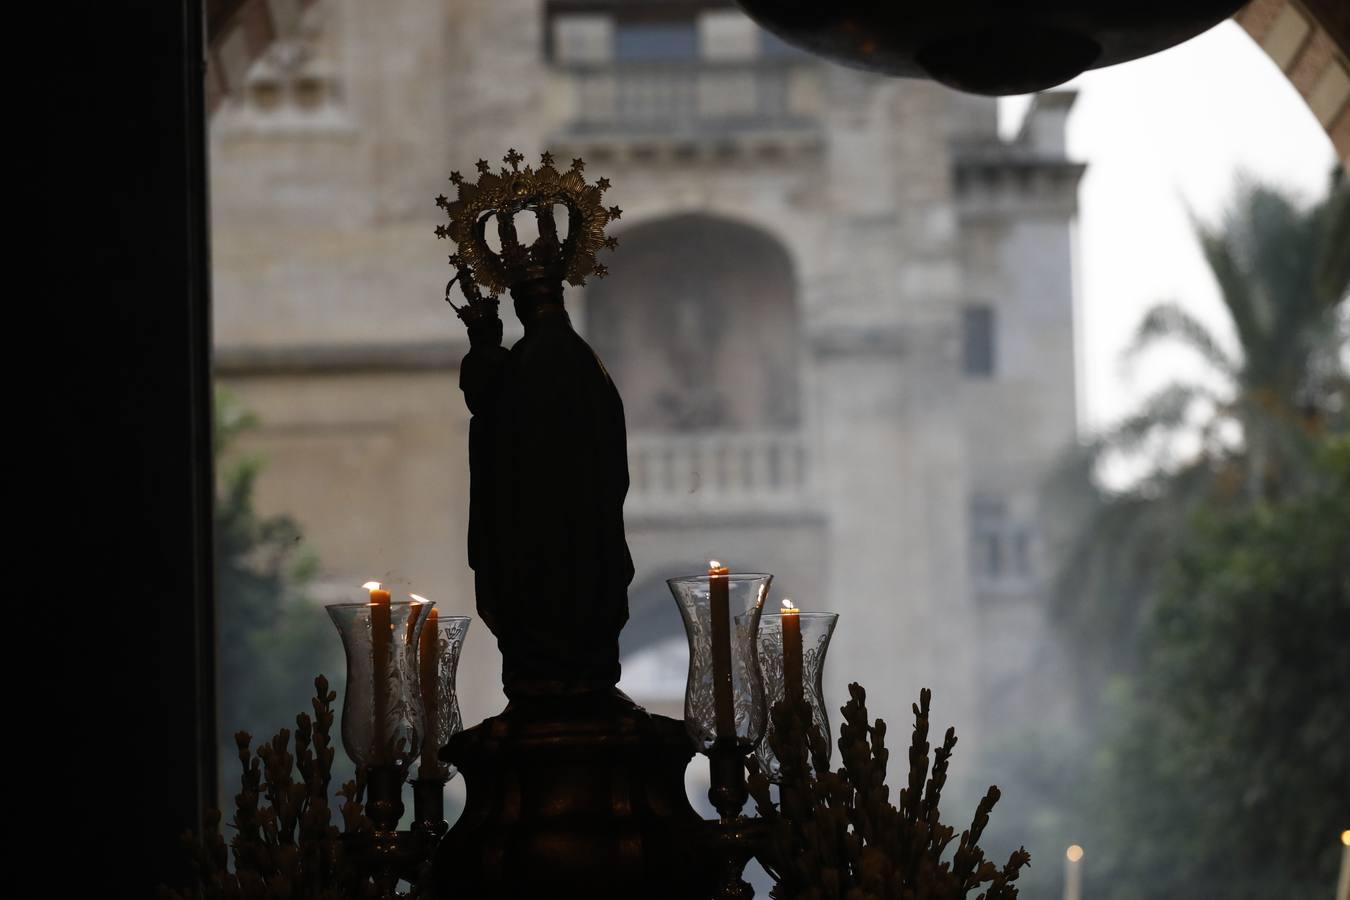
(1310, 41)
(715, 301)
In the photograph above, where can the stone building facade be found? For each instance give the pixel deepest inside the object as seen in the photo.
(841, 316)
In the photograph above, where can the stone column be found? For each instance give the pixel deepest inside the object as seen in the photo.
(892, 465)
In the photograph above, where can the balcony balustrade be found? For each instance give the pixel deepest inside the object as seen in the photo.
(747, 472)
(692, 98)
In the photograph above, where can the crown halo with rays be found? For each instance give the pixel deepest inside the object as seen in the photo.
(512, 189)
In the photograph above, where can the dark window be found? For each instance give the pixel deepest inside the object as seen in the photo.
(977, 340)
(652, 42)
(988, 522)
(1000, 544)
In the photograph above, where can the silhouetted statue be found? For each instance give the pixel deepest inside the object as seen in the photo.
(547, 444)
(573, 789)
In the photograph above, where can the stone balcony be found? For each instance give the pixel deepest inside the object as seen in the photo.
(690, 109)
(718, 473)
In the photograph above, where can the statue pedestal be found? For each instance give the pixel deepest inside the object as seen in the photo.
(573, 796)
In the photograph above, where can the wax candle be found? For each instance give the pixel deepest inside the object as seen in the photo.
(1073, 873)
(792, 653)
(1343, 882)
(381, 633)
(428, 672)
(719, 603)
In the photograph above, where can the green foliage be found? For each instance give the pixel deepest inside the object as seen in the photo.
(1284, 275)
(835, 835)
(267, 630)
(1229, 774)
(1207, 603)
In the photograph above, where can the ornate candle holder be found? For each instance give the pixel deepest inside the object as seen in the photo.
(381, 708)
(440, 644)
(382, 725)
(815, 629)
(745, 593)
(724, 710)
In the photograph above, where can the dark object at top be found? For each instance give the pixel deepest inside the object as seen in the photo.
(987, 46)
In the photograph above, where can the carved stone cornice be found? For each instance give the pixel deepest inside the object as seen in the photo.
(997, 180)
(338, 359)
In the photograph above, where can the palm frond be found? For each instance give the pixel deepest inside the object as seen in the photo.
(1283, 271)
(1168, 321)
(1332, 276)
(1234, 286)
(1166, 411)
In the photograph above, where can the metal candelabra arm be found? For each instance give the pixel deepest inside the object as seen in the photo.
(733, 839)
(388, 854)
(731, 846)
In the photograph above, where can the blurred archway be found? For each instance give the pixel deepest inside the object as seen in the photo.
(698, 325)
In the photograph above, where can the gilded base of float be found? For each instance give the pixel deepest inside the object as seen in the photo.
(572, 796)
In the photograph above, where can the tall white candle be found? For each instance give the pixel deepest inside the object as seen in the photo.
(1073, 873)
(1343, 883)
(428, 671)
(381, 630)
(793, 686)
(724, 707)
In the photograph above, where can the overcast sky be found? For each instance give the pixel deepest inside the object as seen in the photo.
(1159, 135)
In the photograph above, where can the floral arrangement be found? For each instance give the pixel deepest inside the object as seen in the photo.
(835, 835)
(830, 835)
(285, 843)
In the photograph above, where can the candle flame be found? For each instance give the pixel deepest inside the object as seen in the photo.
(1074, 853)
(1345, 837)
(419, 598)
(371, 585)
(714, 564)
(789, 605)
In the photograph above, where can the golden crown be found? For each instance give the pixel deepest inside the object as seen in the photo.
(501, 195)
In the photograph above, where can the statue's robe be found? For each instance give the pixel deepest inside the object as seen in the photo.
(480, 378)
(551, 563)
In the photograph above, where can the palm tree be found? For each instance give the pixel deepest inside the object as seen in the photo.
(1283, 272)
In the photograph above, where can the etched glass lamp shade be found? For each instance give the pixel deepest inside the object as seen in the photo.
(381, 707)
(787, 678)
(723, 696)
(441, 643)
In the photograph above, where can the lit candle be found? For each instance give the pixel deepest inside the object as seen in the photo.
(719, 604)
(1343, 883)
(792, 653)
(381, 632)
(1073, 873)
(428, 668)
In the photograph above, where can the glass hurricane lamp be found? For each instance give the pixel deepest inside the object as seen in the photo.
(723, 697)
(438, 660)
(381, 707)
(783, 677)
